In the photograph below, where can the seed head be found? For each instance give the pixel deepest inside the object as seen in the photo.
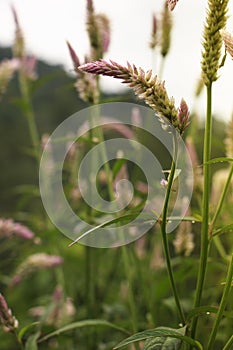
(212, 43)
(166, 27)
(7, 320)
(147, 87)
(35, 262)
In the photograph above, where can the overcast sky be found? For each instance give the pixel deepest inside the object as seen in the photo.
(48, 23)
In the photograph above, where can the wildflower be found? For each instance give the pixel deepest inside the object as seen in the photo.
(153, 41)
(171, 4)
(36, 262)
(145, 86)
(8, 228)
(7, 320)
(212, 43)
(19, 44)
(166, 27)
(183, 116)
(228, 41)
(7, 70)
(183, 242)
(86, 85)
(27, 63)
(98, 29)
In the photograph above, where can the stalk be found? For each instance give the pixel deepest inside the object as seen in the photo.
(222, 305)
(164, 235)
(221, 200)
(205, 208)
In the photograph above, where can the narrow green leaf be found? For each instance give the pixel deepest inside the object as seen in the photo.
(81, 324)
(121, 219)
(223, 229)
(159, 332)
(117, 167)
(26, 329)
(219, 160)
(31, 343)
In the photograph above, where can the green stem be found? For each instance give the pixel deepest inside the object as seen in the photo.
(164, 235)
(229, 344)
(221, 200)
(129, 276)
(205, 208)
(222, 305)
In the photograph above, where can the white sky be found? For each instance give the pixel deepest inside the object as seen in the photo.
(48, 23)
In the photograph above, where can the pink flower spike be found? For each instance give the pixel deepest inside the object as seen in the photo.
(183, 116)
(29, 67)
(171, 4)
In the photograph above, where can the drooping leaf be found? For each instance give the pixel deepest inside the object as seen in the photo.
(81, 324)
(31, 343)
(160, 332)
(121, 219)
(26, 329)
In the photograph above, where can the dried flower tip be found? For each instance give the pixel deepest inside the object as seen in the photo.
(74, 57)
(153, 41)
(7, 69)
(35, 262)
(228, 41)
(212, 43)
(166, 27)
(171, 4)
(145, 86)
(8, 228)
(183, 116)
(7, 320)
(19, 45)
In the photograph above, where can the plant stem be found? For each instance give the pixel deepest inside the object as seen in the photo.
(222, 305)
(205, 208)
(221, 200)
(164, 234)
(229, 344)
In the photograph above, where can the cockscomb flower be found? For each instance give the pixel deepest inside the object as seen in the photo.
(34, 263)
(147, 87)
(183, 116)
(86, 85)
(166, 28)
(19, 44)
(98, 29)
(171, 4)
(7, 320)
(7, 70)
(228, 41)
(153, 41)
(9, 228)
(212, 43)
